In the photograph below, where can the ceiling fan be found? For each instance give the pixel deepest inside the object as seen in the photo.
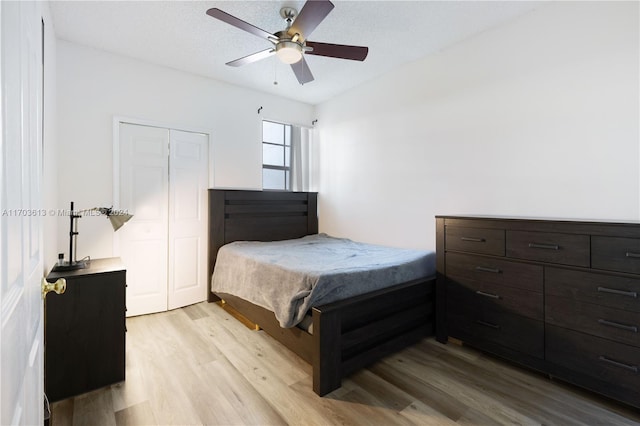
(291, 44)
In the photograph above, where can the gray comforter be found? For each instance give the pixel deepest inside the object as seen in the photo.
(288, 277)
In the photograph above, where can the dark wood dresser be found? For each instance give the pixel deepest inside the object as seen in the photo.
(85, 330)
(561, 297)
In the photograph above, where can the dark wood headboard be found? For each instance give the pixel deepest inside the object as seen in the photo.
(237, 215)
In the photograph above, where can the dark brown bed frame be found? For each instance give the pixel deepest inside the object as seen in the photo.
(348, 334)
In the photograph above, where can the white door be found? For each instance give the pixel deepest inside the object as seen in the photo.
(188, 182)
(21, 266)
(144, 192)
(163, 183)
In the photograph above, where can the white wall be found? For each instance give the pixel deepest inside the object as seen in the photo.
(94, 86)
(538, 117)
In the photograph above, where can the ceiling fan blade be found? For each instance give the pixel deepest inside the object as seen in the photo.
(313, 12)
(302, 71)
(238, 23)
(252, 58)
(355, 53)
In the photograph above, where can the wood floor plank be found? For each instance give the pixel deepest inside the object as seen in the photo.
(345, 406)
(135, 415)
(198, 365)
(193, 344)
(62, 412)
(473, 417)
(392, 371)
(130, 392)
(94, 408)
(422, 414)
(196, 384)
(531, 404)
(273, 355)
(263, 378)
(370, 407)
(460, 392)
(569, 402)
(168, 400)
(195, 311)
(170, 405)
(386, 395)
(252, 408)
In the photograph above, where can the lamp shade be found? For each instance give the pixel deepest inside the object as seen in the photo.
(118, 220)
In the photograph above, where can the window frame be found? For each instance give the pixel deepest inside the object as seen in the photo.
(286, 147)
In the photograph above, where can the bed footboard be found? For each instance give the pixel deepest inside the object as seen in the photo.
(351, 334)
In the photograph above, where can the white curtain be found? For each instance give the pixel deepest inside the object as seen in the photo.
(301, 159)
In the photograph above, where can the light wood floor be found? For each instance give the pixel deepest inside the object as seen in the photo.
(198, 365)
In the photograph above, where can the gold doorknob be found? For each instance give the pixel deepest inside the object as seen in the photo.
(59, 286)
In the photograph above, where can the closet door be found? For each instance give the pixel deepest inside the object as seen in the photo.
(188, 182)
(144, 191)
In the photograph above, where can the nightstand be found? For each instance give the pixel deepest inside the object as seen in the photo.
(85, 330)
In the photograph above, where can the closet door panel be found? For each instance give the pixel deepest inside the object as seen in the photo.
(188, 281)
(186, 272)
(144, 191)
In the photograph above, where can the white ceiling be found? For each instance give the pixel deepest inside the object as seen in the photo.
(178, 34)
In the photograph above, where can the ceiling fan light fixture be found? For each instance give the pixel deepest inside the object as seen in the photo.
(289, 52)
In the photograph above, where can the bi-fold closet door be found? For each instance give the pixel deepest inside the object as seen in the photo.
(163, 181)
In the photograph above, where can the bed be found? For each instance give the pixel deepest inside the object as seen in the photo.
(344, 335)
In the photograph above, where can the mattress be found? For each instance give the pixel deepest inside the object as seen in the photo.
(289, 277)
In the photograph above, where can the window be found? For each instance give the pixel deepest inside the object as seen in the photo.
(287, 157)
(276, 156)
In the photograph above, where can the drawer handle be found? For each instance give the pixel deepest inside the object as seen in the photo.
(618, 325)
(544, 246)
(488, 324)
(473, 240)
(619, 292)
(483, 269)
(482, 293)
(633, 368)
(633, 255)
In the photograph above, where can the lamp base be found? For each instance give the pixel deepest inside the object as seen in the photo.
(70, 266)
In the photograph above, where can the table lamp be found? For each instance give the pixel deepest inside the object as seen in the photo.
(116, 218)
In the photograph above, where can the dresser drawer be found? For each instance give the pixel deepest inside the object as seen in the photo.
(495, 271)
(566, 249)
(486, 297)
(616, 254)
(475, 240)
(511, 331)
(613, 324)
(614, 363)
(606, 290)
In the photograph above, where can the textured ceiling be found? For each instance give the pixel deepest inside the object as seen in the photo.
(179, 34)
